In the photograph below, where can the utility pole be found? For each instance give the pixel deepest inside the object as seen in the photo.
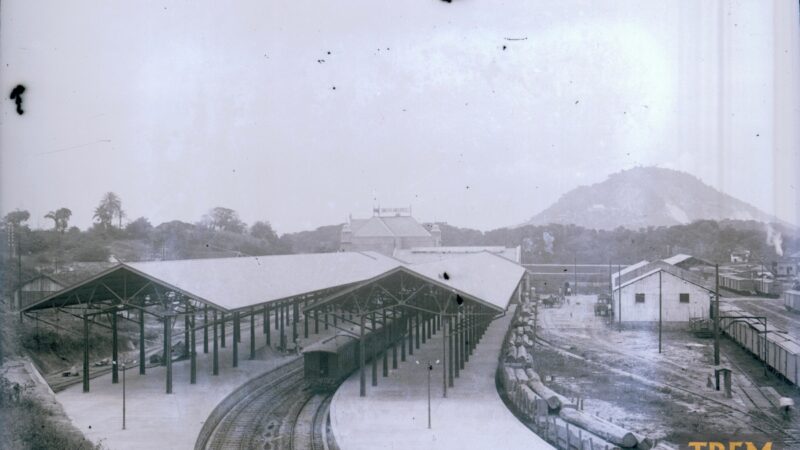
(659, 311)
(716, 316)
(619, 296)
(575, 269)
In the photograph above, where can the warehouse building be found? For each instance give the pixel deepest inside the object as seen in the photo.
(659, 289)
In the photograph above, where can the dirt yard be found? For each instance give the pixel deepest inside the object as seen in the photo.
(622, 377)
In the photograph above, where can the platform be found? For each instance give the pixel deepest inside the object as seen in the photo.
(394, 415)
(169, 421)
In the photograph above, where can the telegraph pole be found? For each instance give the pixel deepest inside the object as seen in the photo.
(659, 312)
(575, 269)
(716, 316)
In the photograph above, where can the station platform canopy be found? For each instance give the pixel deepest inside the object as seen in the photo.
(482, 280)
(233, 284)
(227, 284)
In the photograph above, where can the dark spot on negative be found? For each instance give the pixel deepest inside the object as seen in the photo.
(16, 95)
(446, 276)
(459, 300)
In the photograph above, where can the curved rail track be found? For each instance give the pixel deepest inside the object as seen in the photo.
(280, 412)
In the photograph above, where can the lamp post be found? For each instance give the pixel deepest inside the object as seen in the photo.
(430, 369)
(123, 368)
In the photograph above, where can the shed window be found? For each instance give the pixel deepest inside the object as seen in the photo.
(639, 298)
(684, 298)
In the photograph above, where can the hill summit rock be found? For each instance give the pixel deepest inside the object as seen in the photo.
(646, 196)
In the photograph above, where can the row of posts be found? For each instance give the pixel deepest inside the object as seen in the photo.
(462, 332)
(214, 319)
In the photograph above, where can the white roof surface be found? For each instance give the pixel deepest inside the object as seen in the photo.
(655, 271)
(677, 259)
(234, 283)
(418, 255)
(483, 275)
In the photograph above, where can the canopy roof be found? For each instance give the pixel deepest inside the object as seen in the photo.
(486, 280)
(231, 284)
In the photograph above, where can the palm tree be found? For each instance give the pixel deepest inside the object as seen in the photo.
(110, 206)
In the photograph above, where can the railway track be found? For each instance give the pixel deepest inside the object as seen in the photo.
(761, 422)
(280, 413)
(311, 427)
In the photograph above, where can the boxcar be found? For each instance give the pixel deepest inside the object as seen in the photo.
(782, 351)
(766, 286)
(791, 300)
(736, 283)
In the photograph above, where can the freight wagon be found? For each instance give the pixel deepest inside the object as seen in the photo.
(760, 286)
(779, 349)
(791, 300)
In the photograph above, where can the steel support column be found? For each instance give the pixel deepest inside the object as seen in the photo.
(266, 319)
(205, 329)
(444, 358)
(384, 336)
(142, 353)
(456, 346)
(374, 356)
(235, 339)
(252, 333)
(85, 354)
(316, 321)
(402, 332)
(222, 329)
(295, 319)
(362, 350)
(186, 327)
(421, 322)
(193, 353)
(450, 352)
(393, 337)
(168, 353)
(114, 349)
(305, 320)
(283, 328)
(461, 342)
(267, 330)
(467, 333)
(215, 365)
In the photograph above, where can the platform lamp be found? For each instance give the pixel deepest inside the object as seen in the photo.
(123, 367)
(430, 369)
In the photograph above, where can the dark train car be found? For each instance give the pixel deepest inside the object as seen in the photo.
(328, 362)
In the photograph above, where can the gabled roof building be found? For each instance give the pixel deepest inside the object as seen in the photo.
(386, 231)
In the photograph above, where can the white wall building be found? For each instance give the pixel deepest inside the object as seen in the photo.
(682, 299)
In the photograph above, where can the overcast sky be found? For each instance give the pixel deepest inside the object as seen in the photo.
(478, 113)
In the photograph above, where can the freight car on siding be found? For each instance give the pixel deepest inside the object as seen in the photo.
(777, 347)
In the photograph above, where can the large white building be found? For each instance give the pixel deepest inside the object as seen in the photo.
(683, 295)
(387, 230)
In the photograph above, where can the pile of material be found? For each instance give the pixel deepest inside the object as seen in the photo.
(568, 426)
